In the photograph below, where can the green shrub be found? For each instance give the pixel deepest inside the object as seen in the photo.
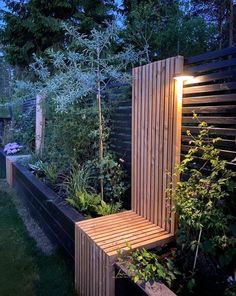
(148, 266)
(113, 177)
(85, 202)
(202, 198)
(71, 137)
(104, 209)
(82, 196)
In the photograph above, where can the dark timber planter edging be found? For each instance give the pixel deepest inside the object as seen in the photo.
(55, 216)
(2, 164)
(125, 286)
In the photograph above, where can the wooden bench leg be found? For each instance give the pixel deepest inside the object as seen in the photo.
(94, 269)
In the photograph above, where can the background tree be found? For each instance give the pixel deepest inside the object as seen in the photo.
(219, 13)
(33, 26)
(165, 28)
(94, 14)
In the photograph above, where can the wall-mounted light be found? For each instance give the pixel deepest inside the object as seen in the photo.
(180, 79)
(184, 76)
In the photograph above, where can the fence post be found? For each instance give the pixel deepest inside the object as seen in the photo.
(40, 126)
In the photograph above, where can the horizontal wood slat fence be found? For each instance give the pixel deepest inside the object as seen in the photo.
(212, 95)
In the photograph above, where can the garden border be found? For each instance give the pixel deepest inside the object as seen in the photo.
(56, 217)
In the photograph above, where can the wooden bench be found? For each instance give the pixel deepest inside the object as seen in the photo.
(156, 133)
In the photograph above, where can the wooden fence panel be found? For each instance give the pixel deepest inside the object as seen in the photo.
(212, 95)
(156, 141)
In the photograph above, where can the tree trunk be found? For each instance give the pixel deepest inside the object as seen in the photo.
(39, 126)
(100, 122)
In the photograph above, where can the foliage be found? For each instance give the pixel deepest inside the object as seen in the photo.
(7, 134)
(24, 128)
(104, 208)
(231, 289)
(79, 180)
(94, 14)
(45, 169)
(142, 23)
(36, 167)
(113, 178)
(6, 80)
(77, 74)
(148, 266)
(161, 29)
(71, 137)
(33, 26)
(202, 197)
(85, 202)
(85, 72)
(79, 191)
(216, 12)
(51, 172)
(82, 196)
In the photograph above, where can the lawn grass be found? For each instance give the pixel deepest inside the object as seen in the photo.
(24, 269)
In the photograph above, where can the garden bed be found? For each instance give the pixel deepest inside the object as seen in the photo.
(55, 216)
(2, 164)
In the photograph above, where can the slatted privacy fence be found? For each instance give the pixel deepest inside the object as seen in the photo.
(212, 95)
(29, 105)
(156, 132)
(120, 137)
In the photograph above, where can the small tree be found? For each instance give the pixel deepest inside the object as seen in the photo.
(203, 196)
(85, 71)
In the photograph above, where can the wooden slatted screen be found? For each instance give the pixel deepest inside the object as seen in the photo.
(212, 95)
(156, 133)
(119, 95)
(156, 114)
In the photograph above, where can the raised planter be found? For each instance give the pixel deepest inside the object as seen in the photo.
(125, 286)
(56, 217)
(2, 164)
(10, 160)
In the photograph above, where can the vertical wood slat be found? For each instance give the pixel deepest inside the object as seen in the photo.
(39, 125)
(178, 93)
(156, 120)
(94, 272)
